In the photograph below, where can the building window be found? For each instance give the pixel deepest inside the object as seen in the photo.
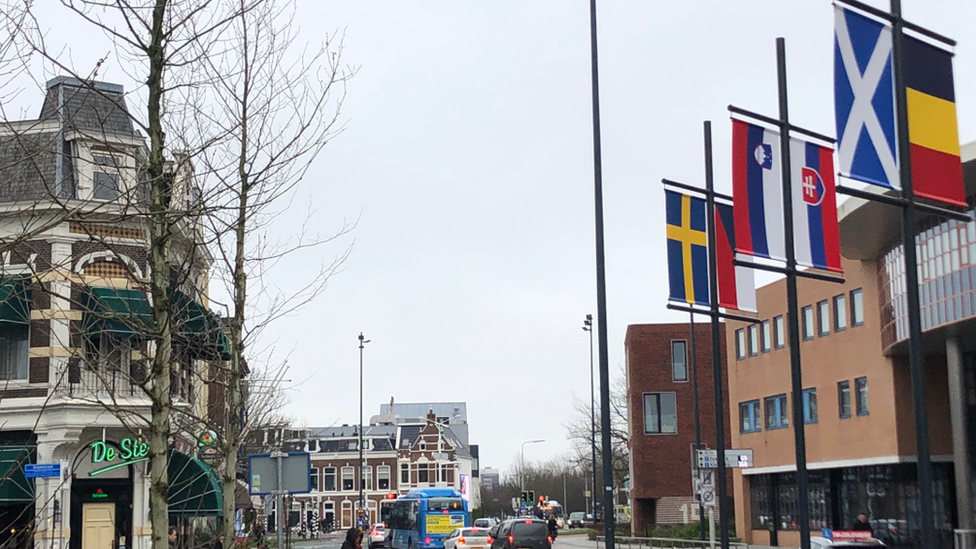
(404, 474)
(780, 332)
(823, 318)
(776, 412)
(749, 415)
(348, 479)
(740, 344)
(365, 444)
(840, 313)
(423, 476)
(810, 414)
(857, 307)
(14, 350)
(313, 478)
(383, 477)
(366, 479)
(844, 399)
(753, 340)
(679, 360)
(442, 473)
(807, 322)
(313, 445)
(861, 386)
(105, 178)
(767, 338)
(660, 414)
(328, 479)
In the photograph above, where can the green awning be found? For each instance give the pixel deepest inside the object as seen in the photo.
(15, 488)
(194, 487)
(120, 312)
(199, 329)
(14, 301)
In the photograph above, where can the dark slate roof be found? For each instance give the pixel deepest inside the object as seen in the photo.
(338, 445)
(381, 444)
(90, 105)
(408, 434)
(28, 167)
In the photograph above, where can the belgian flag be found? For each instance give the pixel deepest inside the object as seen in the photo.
(933, 132)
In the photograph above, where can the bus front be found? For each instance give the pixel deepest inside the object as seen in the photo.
(441, 515)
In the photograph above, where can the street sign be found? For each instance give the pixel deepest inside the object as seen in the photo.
(705, 487)
(262, 473)
(734, 459)
(42, 470)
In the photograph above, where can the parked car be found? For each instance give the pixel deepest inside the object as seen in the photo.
(378, 535)
(576, 520)
(467, 538)
(526, 533)
(824, 543)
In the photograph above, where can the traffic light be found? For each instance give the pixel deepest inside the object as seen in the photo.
(525, 498)
(542, 499)
(531, 500)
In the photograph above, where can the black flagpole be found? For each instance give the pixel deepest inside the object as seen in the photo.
(916, 358)
(793, 319)
(694, 401)
(723, 515)
(601, 295)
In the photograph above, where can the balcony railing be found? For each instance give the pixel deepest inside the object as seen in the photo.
(92, 382)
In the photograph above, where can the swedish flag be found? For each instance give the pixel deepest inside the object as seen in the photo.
(687, 248)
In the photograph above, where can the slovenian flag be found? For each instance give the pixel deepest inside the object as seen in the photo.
(757, 193)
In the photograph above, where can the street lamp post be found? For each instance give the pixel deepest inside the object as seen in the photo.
(522, 461)
(588, 326)
(362, 463)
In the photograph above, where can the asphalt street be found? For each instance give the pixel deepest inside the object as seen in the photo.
(334, 541)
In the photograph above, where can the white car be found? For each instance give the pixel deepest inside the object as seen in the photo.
(824, 543)
(467, 538)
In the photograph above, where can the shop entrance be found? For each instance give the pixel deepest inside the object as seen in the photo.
(97, 525)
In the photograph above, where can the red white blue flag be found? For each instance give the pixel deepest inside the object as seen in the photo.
(757, 193)
(736, 285)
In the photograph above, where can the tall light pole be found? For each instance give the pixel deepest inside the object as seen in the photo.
(588, 326)
(522, 461)
(362, 463)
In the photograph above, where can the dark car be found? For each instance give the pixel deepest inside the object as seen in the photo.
(527, 533)
(576, 520)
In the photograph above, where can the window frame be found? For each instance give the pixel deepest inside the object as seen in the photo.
(755, 409)
(806, 312)
(19, 370)
(779, 332)
(855, 320)
(404, 468)
(352, 478)
(783, 418)
(823, 318)
(740, 344)
(660, 414)
(684, 345)
(106, 164)
(313, 478)
(366, 478)
(753, 339)
(765, 336)
(423, 468)
(840, 312)
(841, 387)
(383, 474)
(330, 472)
(808, 417)
(861, 383)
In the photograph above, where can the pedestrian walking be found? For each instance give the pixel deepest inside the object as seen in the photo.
(172, 537)
(350, 541)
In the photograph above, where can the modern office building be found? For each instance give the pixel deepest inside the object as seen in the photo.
(857, 398)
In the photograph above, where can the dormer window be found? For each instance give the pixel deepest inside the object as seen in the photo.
(105, 178)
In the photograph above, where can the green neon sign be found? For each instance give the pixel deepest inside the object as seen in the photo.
(130, 451)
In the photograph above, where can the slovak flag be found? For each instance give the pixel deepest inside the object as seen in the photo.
(757, 193)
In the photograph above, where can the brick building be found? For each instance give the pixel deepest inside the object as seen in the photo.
(662, 419)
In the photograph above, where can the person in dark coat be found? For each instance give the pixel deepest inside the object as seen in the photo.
(553, 526)
(862, 524)
(350, 541)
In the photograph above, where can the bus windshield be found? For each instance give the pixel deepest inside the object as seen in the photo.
(445, 504)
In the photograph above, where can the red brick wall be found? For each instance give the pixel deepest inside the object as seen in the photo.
(661, 464)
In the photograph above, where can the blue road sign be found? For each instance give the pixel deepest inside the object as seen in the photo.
(42, 470)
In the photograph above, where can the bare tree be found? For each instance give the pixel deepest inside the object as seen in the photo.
(578, 431)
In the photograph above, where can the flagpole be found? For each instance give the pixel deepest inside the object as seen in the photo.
(723, 515)
(694, 401)
(916, 358)
(793, 320)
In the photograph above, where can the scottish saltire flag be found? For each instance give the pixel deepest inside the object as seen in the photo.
(816, 233)
(736, 285)
(864, 100)
(757, 191)
(687, 248)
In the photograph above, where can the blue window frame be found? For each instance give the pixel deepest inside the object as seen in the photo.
(807, 322)
(780, 331)
(776, 412)
(844, 399)
(810, 414)
(749, 417)
(857, 307)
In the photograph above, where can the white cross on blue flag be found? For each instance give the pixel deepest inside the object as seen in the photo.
(864, 99)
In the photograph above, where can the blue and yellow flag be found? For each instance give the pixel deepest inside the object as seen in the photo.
(687, 248)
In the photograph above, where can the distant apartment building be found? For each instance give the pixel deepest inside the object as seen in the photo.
(490, 479)
(662, 420)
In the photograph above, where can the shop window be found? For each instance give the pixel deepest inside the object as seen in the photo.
(857, 307)
(328, 479)
(749, 417)
(660, 414)
(780, 332)
(807, 322)
(861, 386)
(740, 344)
(679, 360)
(753, 340)
(844, 399)
(840, 313)
(810, 414)
(823, 318)
(776, 412)
(348, 479)
(14, 352)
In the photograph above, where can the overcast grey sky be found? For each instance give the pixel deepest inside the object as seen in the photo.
(468, 154)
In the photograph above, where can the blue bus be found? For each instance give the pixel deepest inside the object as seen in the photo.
(421, 519)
